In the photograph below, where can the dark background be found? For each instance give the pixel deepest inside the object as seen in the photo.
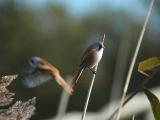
(60, 31)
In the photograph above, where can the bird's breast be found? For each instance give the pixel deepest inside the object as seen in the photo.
(99, 54)
(94, 58)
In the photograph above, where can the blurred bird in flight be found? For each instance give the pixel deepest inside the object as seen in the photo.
(42, 71)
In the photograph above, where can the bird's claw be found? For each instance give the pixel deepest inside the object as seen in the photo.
(93, 71)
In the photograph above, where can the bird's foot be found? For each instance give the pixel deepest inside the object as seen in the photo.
(93, 71)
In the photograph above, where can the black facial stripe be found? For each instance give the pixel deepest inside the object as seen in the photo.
(99, 46)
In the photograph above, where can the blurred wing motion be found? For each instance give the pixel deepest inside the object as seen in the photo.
(34, 79)
(41, 72)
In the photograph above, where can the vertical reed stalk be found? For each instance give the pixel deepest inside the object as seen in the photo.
(63, 103)
(134, 60)
(90, 90)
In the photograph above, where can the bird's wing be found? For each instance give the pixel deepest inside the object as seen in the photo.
(90, 48)
(36, 78)
(44, 64)
(86, 54)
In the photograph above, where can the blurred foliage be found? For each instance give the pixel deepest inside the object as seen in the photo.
(52, 33)
(149, 64)
(155, 104)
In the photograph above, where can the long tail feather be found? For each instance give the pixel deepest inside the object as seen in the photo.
(76, 77)
(63, 83)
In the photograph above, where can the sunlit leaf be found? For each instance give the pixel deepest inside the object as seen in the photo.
(155, 104)
(149, 65)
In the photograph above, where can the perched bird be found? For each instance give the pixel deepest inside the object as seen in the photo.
(90, 59)
(42, 71)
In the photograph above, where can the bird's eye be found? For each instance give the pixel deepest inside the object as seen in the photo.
(32, 61)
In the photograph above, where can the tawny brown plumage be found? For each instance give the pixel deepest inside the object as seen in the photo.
(90, 59)
(42, 71)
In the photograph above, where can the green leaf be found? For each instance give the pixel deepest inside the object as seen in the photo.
(155, 104)
(148, 65)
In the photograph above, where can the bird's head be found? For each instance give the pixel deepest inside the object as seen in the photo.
(34, 61)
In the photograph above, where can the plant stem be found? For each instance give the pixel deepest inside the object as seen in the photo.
(134, 60)
(133, 117)
(90, 90)
(63, 103)
(89, 94)
(145, 81)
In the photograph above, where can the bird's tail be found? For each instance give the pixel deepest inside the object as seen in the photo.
(76, 77)
(63, 83)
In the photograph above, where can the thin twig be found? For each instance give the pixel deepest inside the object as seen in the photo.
(90, 90)
(88, 96)
(134, 60)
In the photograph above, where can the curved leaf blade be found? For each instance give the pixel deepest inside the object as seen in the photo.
(155, 104)
(148, 65)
